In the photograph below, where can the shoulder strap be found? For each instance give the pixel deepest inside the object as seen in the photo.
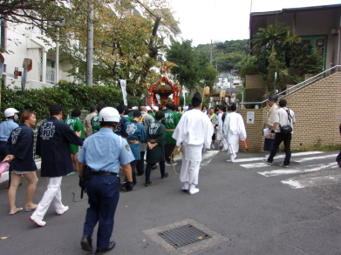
(212, 116)
(140, 121)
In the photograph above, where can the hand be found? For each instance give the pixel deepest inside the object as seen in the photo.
(129, 186)
(78, 133)
(9, 158)
(272, 135)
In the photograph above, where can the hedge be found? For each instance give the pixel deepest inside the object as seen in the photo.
(69, 95)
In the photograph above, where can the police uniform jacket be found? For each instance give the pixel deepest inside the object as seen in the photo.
(53, 141)
(20, 144)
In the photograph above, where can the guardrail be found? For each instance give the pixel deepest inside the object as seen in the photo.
(298, 86)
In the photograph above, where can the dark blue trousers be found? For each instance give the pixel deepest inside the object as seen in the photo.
(149, 170)
(103, 192)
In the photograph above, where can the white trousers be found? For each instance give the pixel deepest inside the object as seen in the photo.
(189, 169)
(53, 193)
(233, 143)
(221, 137)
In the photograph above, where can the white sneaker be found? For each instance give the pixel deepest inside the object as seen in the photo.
(186, 186)
(193, 191)
(66, 208)
(39, 223)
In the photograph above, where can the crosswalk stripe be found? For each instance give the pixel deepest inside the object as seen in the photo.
(310, 168)
(258, 165)
(298, 154)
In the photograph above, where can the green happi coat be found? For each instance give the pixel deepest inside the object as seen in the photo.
(76, 125)
(170, 121)
(96, 126)
(156, 131)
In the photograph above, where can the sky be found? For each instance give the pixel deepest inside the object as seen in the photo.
(219, 20)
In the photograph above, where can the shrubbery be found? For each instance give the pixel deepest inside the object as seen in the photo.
(69, 95)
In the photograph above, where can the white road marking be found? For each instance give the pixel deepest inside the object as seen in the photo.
(312, 181)
(254, 165)
(307, 169)
(298, 154)
(320, 157)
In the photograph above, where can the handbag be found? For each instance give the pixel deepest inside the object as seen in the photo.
(3, 166)
(286, 129)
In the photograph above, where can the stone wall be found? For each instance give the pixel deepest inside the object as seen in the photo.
(254, 82)
(317, 109)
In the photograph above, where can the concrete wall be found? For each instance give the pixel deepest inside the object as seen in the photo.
(317, 109)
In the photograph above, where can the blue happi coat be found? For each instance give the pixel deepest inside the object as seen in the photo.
(20, 144)
(135, 131)
(53, 141)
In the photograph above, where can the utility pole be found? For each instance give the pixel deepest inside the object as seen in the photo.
(211, 52)
(90, 46)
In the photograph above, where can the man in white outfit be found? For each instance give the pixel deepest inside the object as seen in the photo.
(221, 137)
(194, 132)
(234, 129)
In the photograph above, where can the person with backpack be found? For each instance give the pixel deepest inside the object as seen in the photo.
(282, 129)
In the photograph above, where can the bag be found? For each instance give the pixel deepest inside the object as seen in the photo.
(3, 166)
(286, 129)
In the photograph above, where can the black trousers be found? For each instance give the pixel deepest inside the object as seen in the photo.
(168, 152)
(140, 164)
(279, 138)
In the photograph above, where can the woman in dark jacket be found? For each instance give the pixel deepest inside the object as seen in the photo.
(156, 139)
(19, 150)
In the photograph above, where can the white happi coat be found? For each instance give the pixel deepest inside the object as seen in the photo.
(234, 129)
(194, 131)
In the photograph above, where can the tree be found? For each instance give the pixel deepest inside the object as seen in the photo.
(192, 67)
(127, 43)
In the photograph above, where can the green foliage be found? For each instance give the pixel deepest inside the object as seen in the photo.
(69, 95)
(279, 50)
(227, 55)
(192, 68)
(249, 69)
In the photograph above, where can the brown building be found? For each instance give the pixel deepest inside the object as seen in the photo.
(317, 25)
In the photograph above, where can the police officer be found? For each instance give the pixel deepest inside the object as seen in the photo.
(6, 128)
(103, 153)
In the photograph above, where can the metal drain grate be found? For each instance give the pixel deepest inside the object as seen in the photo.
(184, 235)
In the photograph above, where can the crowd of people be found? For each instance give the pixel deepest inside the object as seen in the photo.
(135, 140)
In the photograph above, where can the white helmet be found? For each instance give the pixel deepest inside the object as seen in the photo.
(109, 114)
(148, 108)
(10, 112)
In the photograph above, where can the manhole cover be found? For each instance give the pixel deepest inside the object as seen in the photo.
(184, 235)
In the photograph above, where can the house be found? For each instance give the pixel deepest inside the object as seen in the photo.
(318, 26)
(21, 41)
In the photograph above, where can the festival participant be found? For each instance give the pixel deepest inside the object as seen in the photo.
(76, 125)
(145, 120)
(20, 156)
(194, 131)
(87, 121)
(120, 126)
(221, 137)
(215, 121)
(234, 129)
(170, 121)
(94, 121)
(53, 140)
(156, 139)
(135, 133)
(103, 153)
(269, 122)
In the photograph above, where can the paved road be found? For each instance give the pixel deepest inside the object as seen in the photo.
(247, 207)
